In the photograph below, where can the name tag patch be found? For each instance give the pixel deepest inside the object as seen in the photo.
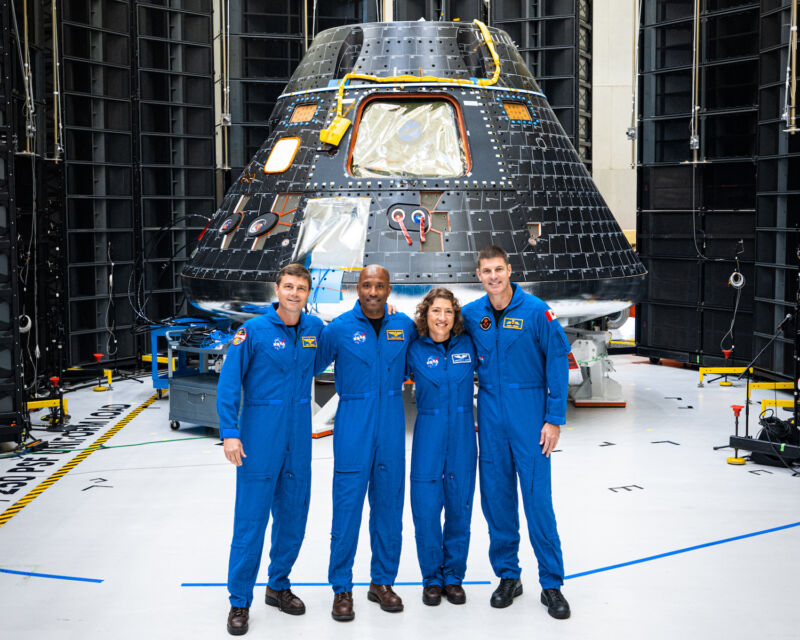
(461, 358)
(309, 342)
(395, 334)
(512, 323)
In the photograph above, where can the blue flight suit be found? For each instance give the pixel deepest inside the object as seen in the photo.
(523, 376)
(443, 456)
(274, 366)
(368, 440)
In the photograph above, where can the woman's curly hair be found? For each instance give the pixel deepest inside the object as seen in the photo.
(421, 318)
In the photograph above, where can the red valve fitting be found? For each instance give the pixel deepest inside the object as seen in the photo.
(419, 217)
(398, 215)
(737, 409)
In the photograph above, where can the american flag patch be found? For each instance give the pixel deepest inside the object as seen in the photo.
(550, 315)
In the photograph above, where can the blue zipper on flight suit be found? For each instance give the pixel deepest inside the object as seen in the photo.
(449, 399)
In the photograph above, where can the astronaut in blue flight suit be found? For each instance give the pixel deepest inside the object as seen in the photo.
(444, 451)
(369, 347)
(522, 401)
(271, 360)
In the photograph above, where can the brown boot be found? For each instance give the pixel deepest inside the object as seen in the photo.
(343, 607)
(455, 594)
(383, 594)
(432, 595)
(237, 621)
(286, 601)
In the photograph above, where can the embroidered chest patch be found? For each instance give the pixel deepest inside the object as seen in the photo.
(395, 334)
(279, 344)
(512, 323)
(433, 361)
(309, 342)
(485, 323)
(461, 358)
(359, 337)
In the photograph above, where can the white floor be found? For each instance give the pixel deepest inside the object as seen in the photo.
(145, 522)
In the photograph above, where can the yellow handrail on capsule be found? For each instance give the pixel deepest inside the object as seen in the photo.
(335, 131)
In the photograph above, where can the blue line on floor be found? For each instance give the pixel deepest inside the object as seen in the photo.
(320, 584)
(53, 576)
(685, 550)
(569, 577)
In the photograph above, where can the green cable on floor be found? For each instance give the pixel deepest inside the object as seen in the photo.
(114, 446)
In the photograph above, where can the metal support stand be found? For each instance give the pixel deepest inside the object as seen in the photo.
(322, 420)
(596, 389)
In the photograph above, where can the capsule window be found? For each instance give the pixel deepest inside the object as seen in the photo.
(282, 155)
(409, 138)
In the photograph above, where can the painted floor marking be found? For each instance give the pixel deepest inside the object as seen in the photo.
(684, 550)
(48, 482)
(569, 577)
(53, 576)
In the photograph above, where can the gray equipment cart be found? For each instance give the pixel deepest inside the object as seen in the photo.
(193, 391)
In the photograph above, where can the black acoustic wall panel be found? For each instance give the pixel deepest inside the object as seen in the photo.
(267, 41)
(696, 208)
(11, 385)
(140, 162)
(176, 147)
(778, 193)
(101, 241)
(555, 39)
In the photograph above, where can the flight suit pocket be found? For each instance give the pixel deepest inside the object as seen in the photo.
(425, 498)
(467, 489)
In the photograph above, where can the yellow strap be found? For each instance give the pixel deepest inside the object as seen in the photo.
(483, 82)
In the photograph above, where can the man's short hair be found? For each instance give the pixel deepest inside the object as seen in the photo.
(492, 251)
(294, 269)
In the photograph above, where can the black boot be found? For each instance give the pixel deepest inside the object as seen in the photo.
(557, 605)
(507, 590)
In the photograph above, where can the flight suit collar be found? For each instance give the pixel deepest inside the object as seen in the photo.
(272, 316)
(516, 299)
(454, 340)
(359, 312)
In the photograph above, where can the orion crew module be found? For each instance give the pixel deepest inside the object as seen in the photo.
(414, 145)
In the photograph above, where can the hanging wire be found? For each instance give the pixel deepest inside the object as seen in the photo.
(24, 64)
(58, 131)
(225, 81)
(789, 114)
(31, 256)
(737, 281)
(694, 137)
(631, 133)
(314, 21)
(137, 296)
(110, 315)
